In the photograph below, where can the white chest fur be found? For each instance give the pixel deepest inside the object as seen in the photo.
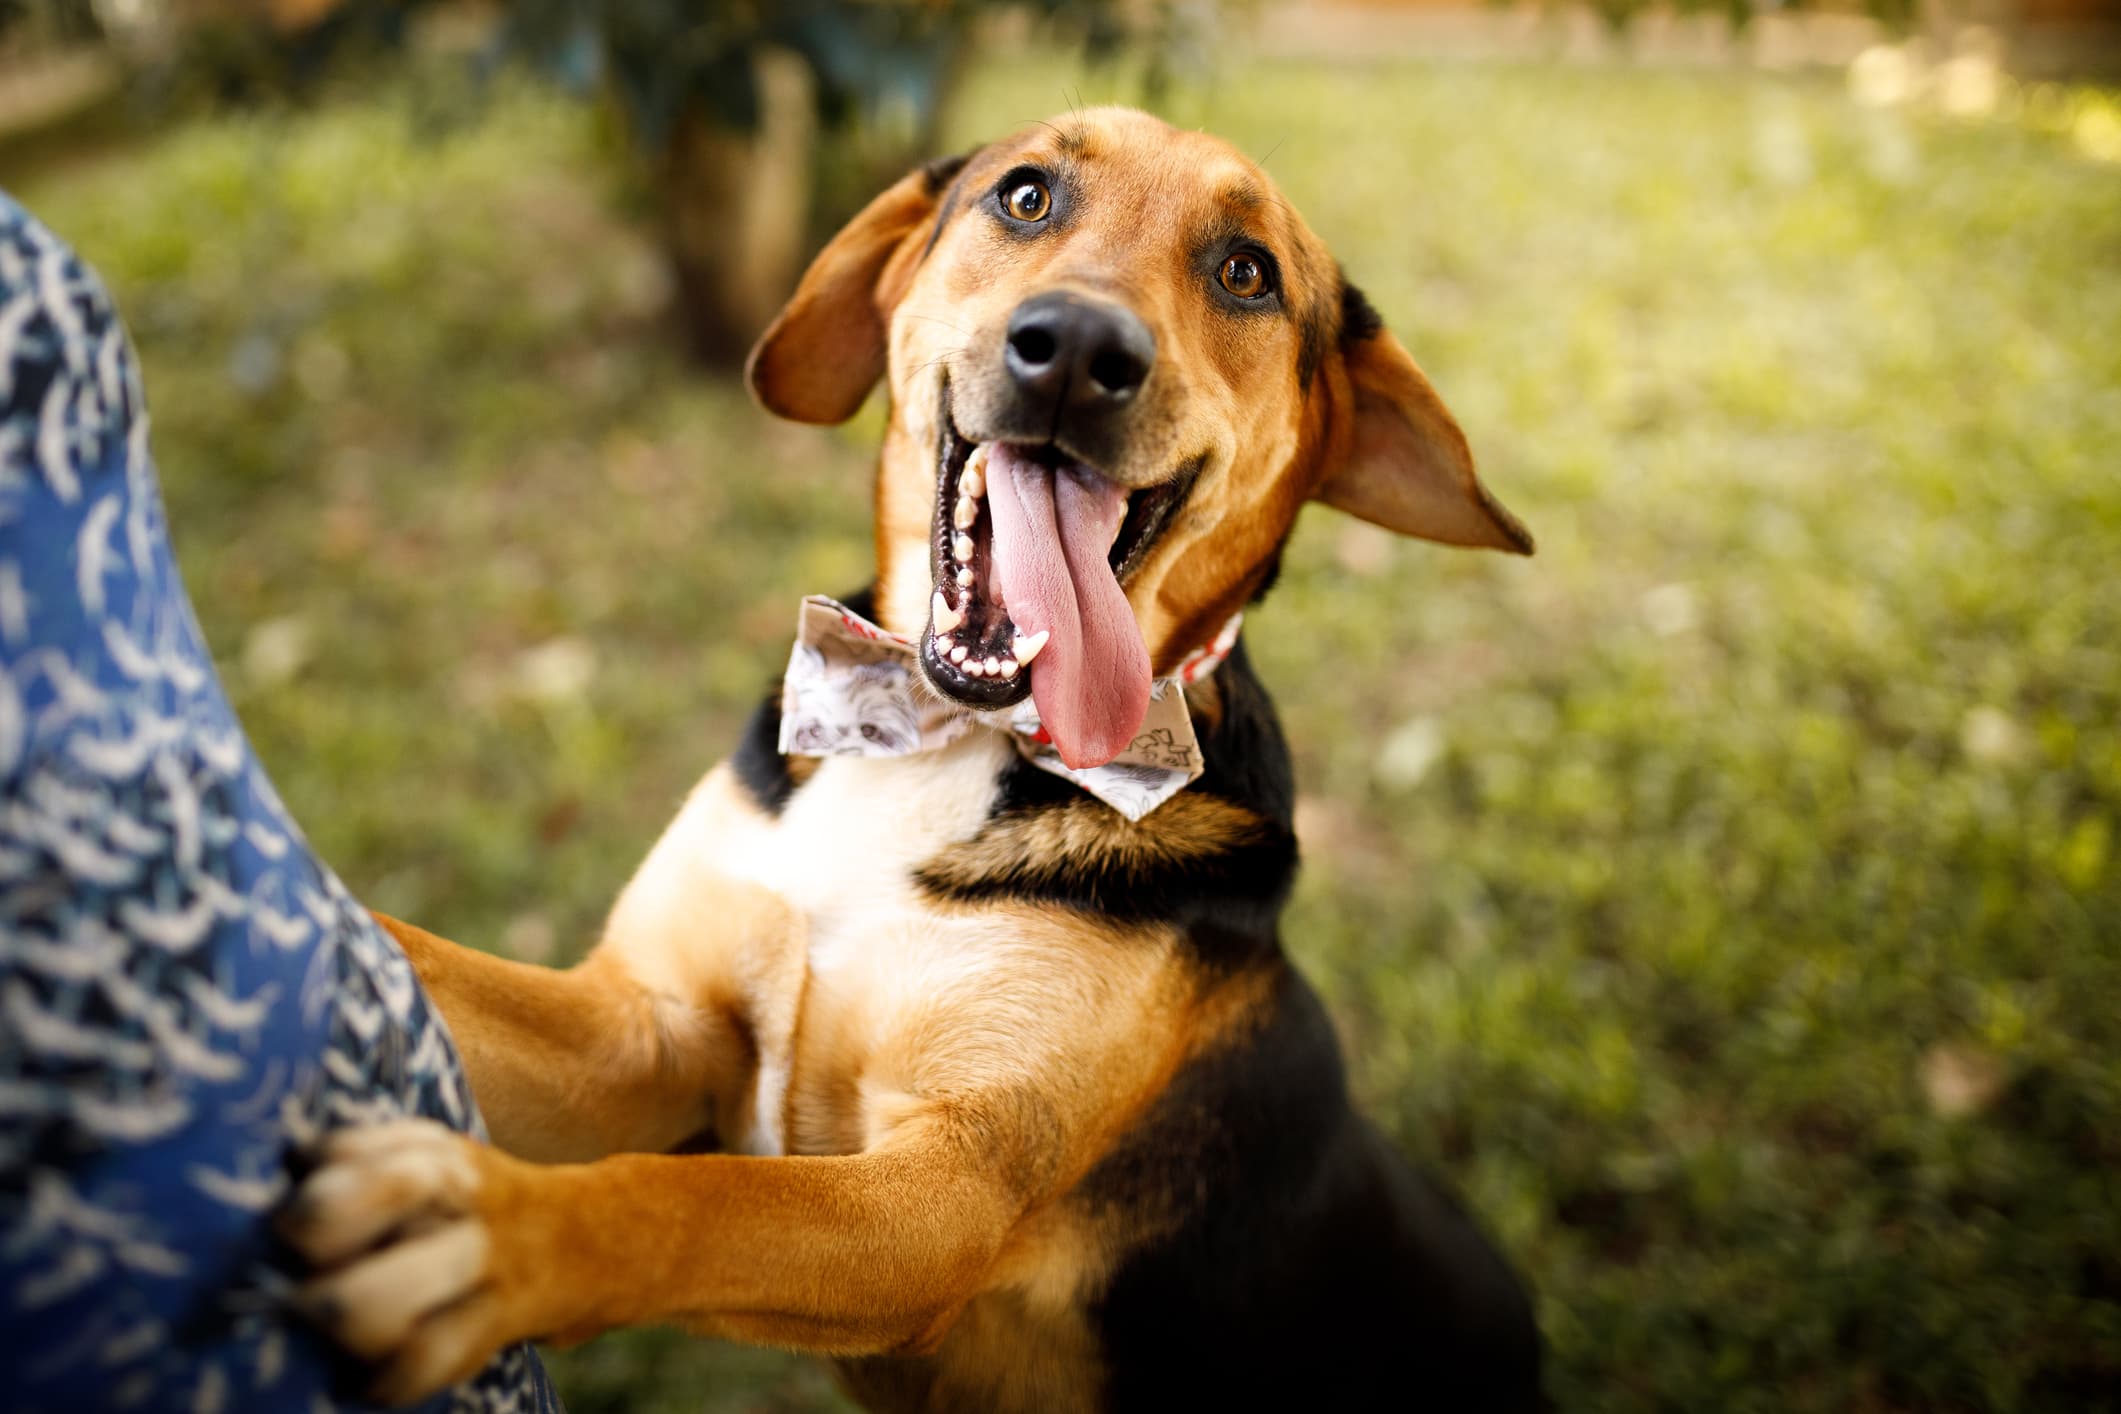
(849, 840)
(843, 852)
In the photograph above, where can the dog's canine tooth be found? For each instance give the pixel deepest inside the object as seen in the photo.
(961, 548)
(946, 618)
(973, 480)
(1026, 648)
(966, 512)
(959, 653)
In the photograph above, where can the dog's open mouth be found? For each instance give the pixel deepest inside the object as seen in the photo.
(1031, 550)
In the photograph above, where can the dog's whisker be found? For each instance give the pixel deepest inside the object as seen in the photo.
(951, 353)
(939, 358)
(954, 328)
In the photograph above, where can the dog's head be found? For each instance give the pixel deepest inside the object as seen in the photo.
(1119, 365)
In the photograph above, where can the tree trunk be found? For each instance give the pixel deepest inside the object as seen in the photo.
(736, 207)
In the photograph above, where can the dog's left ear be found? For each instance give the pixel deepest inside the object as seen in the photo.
(1407, 466)
(820, 357)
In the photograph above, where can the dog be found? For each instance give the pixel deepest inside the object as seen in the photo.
(936, 1063)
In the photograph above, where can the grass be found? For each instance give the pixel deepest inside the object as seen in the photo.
(1727, 898)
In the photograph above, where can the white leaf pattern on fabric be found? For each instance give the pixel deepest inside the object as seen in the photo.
(187, 995)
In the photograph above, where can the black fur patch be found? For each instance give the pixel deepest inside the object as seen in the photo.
(936, 175)
(1359, 319)
(758, 762)
(1318, 1271)
(1273, 575)
(1312, 339)
(938, 172)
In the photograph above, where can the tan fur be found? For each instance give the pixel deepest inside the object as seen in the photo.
(1083, 833)
(913, 1088)
(578, 1064)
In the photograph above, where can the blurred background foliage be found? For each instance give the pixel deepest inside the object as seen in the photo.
(1727, 899)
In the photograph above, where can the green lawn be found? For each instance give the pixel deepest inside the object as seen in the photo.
(1728, 897)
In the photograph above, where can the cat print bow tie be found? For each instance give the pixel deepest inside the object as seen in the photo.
(853, 689)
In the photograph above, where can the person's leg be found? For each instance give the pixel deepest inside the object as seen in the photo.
(188, 997)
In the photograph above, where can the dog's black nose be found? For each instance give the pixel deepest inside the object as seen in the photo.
(1089, 353)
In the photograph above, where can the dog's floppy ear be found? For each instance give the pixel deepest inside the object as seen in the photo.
(821, 355)
(1407, 466)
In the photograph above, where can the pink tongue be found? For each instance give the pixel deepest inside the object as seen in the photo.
(1052, 531)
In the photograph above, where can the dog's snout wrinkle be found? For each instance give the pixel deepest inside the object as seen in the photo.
(1087, 355)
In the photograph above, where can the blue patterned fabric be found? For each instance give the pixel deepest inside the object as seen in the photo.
(187, 995)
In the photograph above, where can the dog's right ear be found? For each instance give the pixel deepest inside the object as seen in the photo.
(820, 357)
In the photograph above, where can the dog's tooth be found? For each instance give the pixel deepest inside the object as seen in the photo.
(975, 669)
(959, 653)
(1008, 667)
(961, 548)
(1027, 646)
(994, 667)
(964, 577)
(973, 480)
(946, 618)
(966, 512)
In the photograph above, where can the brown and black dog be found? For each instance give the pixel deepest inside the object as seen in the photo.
(1019, 1104)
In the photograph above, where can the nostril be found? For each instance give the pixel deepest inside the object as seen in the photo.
(1117, 371)
(1033, 346)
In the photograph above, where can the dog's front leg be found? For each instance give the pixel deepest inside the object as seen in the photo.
(437, 1250)
(574, 1064)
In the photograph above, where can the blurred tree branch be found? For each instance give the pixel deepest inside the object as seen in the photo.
(758, 126)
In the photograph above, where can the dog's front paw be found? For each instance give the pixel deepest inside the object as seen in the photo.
(392, 1220)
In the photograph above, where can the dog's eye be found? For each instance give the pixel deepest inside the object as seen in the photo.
(1244, 276)
(1029, 201)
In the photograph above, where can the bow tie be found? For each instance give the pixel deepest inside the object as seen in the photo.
(854, 689)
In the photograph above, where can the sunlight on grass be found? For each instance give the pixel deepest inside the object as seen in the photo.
(1726, 897)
